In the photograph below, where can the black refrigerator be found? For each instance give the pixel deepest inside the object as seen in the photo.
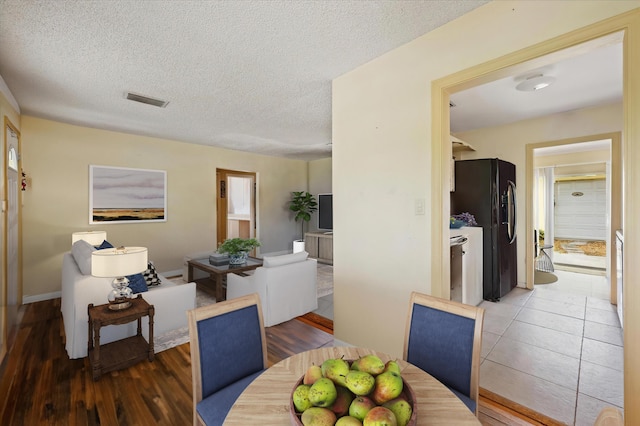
(486, 188)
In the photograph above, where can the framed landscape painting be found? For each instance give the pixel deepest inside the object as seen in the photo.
(124, 195)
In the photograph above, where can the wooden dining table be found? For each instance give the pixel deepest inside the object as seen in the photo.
(266, 400)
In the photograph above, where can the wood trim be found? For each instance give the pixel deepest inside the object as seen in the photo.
(317, 321)
(500, 404)
(467, 311)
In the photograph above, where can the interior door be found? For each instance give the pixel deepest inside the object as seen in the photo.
(10, 295)
(235, 205)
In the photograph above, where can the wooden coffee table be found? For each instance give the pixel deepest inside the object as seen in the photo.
(219, 273)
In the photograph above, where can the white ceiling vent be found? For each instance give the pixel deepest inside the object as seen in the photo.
(146, 100)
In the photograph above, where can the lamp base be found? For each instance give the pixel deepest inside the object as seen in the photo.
(119, 305)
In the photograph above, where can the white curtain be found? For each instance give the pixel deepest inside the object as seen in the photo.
(543, 198)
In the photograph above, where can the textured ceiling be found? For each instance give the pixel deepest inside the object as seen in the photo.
(245, 75)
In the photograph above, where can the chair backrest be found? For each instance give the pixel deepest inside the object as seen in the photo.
(444, 338)
(609, 416)
(227, 342)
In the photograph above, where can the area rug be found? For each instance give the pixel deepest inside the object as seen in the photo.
(590, 248)
(177, 337)
(325, 279)
(541, 277)
(180, 336)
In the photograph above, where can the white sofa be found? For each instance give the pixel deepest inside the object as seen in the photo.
(171, 302)
(287, 286)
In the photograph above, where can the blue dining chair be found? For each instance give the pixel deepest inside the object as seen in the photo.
(228, 351)
(444, 338)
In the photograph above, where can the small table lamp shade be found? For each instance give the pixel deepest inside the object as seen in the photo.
(117, 263)
(95, 238)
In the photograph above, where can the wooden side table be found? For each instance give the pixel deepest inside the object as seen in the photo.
(122, 353)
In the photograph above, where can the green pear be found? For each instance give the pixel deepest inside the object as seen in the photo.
(392, 366)
(322, 393)
(312, 374)
(360, 382)
(360, 407)
(401, 408)
(348, 421)
(380, 416)
(335, 369)
(301, 398)
(388, 386)
(317, 416)
(370, 364)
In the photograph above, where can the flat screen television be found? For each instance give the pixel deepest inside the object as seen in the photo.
(325, 212)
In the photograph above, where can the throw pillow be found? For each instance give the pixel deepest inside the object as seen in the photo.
(151, 276)
(271, 261)
(137, 284)
(81, 252)
(105, 245)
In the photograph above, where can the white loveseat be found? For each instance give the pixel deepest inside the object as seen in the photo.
(171, 302)
(287, 286)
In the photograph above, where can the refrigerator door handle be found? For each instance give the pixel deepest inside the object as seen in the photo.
(511, 211)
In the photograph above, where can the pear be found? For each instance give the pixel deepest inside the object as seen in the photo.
(348, 421)
(360, 406)
(380, 416)
(335, 369)
(301, 398)
(388, 386)
(360, 382)
(401, 408)
(392, 366)
(323, 393)
(317, 416)
(312, 374)
(370, 364)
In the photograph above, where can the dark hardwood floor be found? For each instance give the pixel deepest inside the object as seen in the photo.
(40, 385)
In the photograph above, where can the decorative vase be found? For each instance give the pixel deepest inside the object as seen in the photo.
(298, 246)
(238, 258)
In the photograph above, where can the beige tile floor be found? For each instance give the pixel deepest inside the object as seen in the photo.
(556, 349)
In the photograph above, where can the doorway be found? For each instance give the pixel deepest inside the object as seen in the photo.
(570, 160)
(236, 205)
(10, 234)
(519, 62)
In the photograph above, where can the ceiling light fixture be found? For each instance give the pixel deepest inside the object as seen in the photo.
(535, 82)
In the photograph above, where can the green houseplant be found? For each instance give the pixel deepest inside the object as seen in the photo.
(302, 204)
(238, 249)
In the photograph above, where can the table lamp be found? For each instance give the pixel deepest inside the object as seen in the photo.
(95, 238)
(117, 263)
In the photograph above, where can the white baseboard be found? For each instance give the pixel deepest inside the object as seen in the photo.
(171, 274)
(41, 297)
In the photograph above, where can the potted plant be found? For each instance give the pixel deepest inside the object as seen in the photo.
(302, 204)
(238, 249)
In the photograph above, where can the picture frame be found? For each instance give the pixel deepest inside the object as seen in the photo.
(127, 195)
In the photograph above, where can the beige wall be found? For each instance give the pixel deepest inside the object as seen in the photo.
(319, 183)
(382, 157)
(57, 157)
(508, 143)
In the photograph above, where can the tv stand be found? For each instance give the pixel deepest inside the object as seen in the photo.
(319, 245)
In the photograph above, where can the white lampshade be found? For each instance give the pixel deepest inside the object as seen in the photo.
(118, 262)
(95, 238)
